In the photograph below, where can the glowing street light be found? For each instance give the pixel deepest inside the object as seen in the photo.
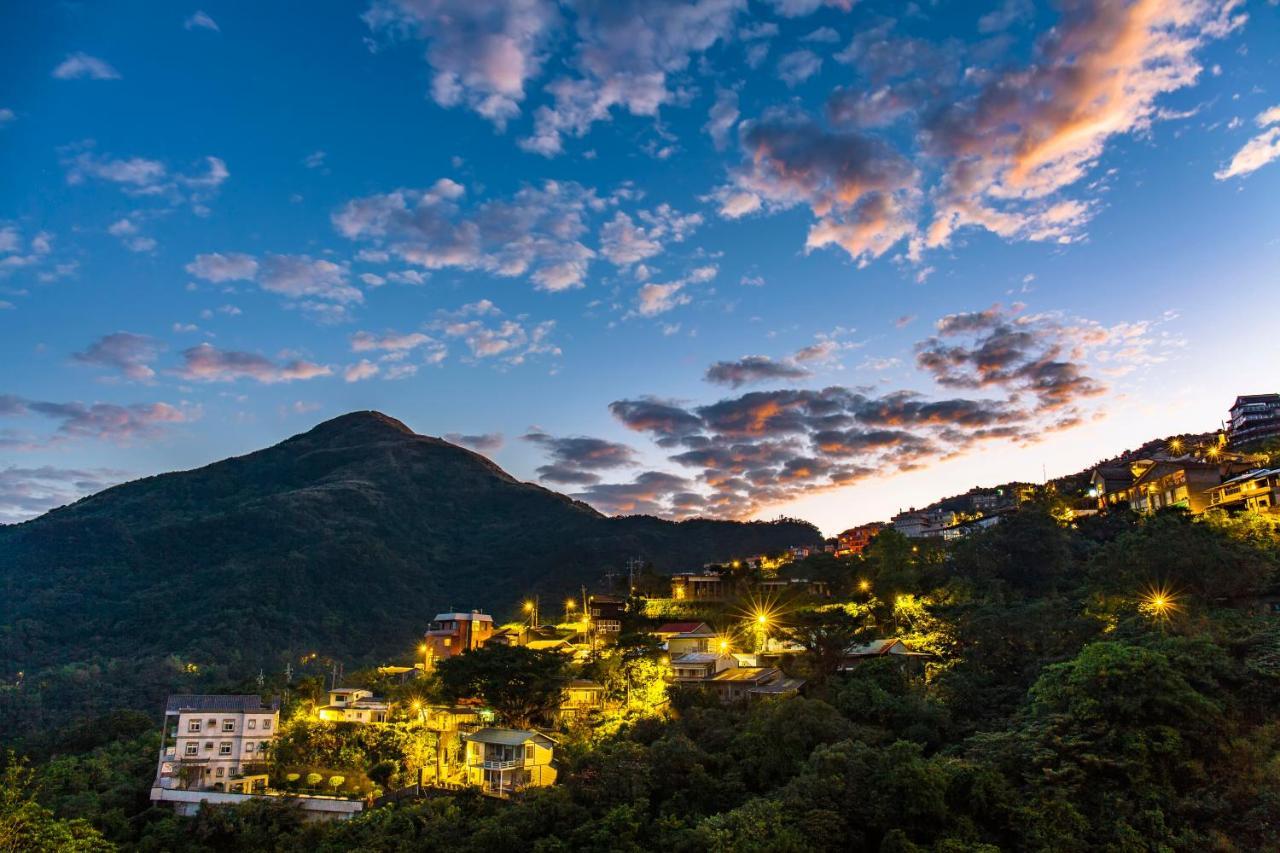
(864, 585)
(1159, 604)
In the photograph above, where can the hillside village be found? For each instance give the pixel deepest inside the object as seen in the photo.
(492, 706)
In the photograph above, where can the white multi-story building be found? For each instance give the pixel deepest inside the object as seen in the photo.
(216, 742)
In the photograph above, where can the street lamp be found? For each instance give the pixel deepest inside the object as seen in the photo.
(864, 585)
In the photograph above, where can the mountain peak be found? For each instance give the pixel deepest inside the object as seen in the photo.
(364, 424)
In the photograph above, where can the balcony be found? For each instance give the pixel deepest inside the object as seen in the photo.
(496, 764)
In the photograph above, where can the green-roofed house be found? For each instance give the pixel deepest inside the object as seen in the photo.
(502, 762)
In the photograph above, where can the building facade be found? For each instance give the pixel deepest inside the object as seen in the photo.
(216, 742)
(354, 705)
(503, 762)
(451, 634)
(1254, 418)
(1255, 490)
(855, 540)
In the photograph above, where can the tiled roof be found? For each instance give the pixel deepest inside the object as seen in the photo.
(219, 702)
(506, 737)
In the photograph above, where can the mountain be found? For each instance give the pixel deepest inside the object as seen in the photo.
(344, 541)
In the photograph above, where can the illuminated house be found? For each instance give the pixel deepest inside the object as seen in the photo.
(685, 637)
(708, 586)
(1254, 417)
(1109, 484)
(452, 634)
(1161, 483)
(216, 742)
(856, 539)
(725, 676)
(1256, 490)
(354, 705)
(922, 524)
(502, 762)
(606, 613)
(887, 648)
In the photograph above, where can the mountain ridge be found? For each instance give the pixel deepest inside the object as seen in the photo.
(343, 540)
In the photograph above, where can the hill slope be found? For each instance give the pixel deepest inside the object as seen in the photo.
(344, 540)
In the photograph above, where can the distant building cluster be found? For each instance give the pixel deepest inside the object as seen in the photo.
(1227, 473)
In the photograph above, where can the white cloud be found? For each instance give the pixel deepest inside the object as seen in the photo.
(201, 20)
(535, 233)
(217, 267)
(362, 369)
(797, 66)
(722, 117)
(79, 66)
(1258, 151)
(482, 53)
(299, 276)
(511, 341)
(628, 51)
(206, 363)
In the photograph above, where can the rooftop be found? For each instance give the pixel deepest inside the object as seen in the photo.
(508, 737)
(219, 702)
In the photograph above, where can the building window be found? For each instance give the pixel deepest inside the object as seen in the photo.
(224, 748)
(266, 724)
(212, 723)
(248, 747)
(228, 725)
(253, 724)
(193, 726)
(219, 773)
(193, 748)
(208, 744)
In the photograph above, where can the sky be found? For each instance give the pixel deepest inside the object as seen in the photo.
(816, 258)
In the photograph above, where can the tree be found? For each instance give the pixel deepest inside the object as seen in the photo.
(826, 635)
(521, 684)
(25, 825)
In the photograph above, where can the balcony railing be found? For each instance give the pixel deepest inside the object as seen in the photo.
(495, 764)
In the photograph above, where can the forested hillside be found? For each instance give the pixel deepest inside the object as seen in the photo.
(1106, 685)
(343, 541)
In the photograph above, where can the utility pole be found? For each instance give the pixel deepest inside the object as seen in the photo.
(288, 672)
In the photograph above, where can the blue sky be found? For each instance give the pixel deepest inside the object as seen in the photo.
(719, 257)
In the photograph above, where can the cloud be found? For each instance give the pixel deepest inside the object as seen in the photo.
(110, 421)
(481, 55)
(28, 492)
(7, 115)
(1028, 374)
(655, 299)
(511, 341)
(391, 342)
(82, 66)
(1030, 132)
(626, 55)
(206, 363)
(1258, 151)
(862, 192)
(722, 117)
(797, 66)
(575, 459)
(650, 493)
(201, 20)
(301, 276)
(217, 267)
(624, 242)
(535, 233)
(486, 442)
(141, 177)
(362, 369)
(752, 369)
(129, 354)
(1004, 148)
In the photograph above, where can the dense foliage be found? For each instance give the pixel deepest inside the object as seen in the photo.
(1061, 711)
(341, 542)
